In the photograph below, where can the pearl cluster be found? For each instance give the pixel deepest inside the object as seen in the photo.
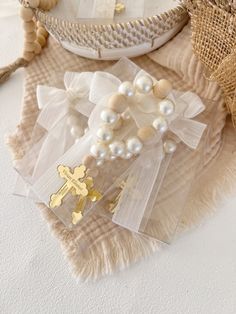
(107, 147)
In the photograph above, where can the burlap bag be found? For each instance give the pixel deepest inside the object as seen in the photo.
(214, 43)
(110, 247)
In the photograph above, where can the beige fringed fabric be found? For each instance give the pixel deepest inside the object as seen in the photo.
(214, 43)
(98, 247)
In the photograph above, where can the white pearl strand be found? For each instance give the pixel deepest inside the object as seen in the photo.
(106, 148)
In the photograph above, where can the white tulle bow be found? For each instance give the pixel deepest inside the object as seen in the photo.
(55, 103)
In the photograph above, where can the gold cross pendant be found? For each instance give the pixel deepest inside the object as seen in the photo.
(77, 184)
(74, 184)
(93, 195)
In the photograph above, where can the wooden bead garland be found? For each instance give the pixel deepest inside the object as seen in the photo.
(29, 26)
(35, 36)
(35, 33)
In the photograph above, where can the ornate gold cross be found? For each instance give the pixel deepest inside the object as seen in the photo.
(73, 184)
(93, 195)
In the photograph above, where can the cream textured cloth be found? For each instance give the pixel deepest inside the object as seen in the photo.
(99, 247)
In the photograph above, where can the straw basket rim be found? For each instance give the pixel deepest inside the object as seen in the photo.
(113, 40)
(45, 15)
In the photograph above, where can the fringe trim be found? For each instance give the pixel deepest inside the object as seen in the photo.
(115, 255)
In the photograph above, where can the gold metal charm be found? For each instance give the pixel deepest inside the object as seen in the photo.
(73, 184)
(93, 196)
(119, 8)
(112, 206)
(76, 217)
(128, 185)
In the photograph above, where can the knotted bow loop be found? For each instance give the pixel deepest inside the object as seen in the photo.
(55, 103)
(103, 84)
(187, 106)
(194, 103)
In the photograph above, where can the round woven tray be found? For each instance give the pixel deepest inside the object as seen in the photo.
(112, 41)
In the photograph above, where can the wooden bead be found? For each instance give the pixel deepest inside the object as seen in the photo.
(39, 24)
(29, 47)
(46, 4)
(42, 41)
(92, 172)
(146, 133)
(89, 161)
(26, 14)
(30, 37)
(37, 48)
(117, 103)
(28, 56)
(53, 3)
(29, 27)
(162, 88)
(42, 31)
(42, 4)
(33, 3)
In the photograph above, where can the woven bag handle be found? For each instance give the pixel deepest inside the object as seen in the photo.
(35, 35)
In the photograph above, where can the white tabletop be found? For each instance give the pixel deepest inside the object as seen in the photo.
(196, 274)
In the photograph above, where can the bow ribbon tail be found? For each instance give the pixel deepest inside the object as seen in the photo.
(53, 104)
(189, 131)
(135, 201)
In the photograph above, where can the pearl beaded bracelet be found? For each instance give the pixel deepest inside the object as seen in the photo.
(107, 147)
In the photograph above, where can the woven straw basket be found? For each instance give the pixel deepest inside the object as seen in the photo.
(112, 41)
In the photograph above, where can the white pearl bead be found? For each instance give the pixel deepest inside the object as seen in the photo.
(100, 162)
(144, 84)
(99, 150)
(112, 157)
(170, 146)
(72, 120)
(127, 89)
(126, 115)
(109, 116)
(166, 107)
(117, 148)
(76, 131)
(127, 155)
(134, 145)
(160, 124)
(105, 134)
